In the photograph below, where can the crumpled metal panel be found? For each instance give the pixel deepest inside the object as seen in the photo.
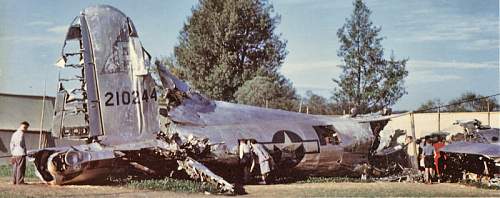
(127, 94)
(196, 170)
(489, 150)
(489, 135)
(58, 113)
(170, 81)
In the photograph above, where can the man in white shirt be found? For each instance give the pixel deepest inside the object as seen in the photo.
(245, 158)
(412, 153)
(18, 151)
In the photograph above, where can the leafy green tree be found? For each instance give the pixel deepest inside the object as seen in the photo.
(470, 101)
(429, 105)
(317, 104)
(228, 42)
(267, 92)
(368, 81)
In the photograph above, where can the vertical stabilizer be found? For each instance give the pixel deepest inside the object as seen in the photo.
(119, 94)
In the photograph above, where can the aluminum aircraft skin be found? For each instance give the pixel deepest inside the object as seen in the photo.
(116, 109)
(476, 151)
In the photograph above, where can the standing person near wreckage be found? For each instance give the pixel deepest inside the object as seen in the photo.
(245, 155)
(438, 161)
(411, 152)
(18, 151)
(428, 154)
(264, 160)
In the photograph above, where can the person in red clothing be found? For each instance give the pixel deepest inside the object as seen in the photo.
(437, 147)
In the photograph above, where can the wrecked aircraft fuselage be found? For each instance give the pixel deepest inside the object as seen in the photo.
(476, 150)
(115, 107)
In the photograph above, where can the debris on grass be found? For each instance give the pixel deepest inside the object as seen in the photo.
(334, 180)
(169, 184)
(479, 184)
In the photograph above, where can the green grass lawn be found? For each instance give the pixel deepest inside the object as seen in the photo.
(309, 187)
(174, 185)
(6, 170)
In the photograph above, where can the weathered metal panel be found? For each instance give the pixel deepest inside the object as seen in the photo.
(93, 108)
(489, 150)
(58, 113)
(126, 92)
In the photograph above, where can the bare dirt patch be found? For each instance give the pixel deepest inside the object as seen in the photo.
(35, 188)
(375, 189)
(343, 189)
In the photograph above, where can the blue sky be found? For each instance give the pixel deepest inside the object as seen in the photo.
(453, 46)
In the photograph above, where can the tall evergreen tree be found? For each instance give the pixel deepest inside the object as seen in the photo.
(228, 42)
(368, 81)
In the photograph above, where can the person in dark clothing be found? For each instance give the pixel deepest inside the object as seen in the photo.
(441, 165)
(419, 155)
(428, 155)
(437, 147)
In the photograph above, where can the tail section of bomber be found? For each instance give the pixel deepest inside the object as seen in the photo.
(115, 98)
(106, 96)
(113, 104)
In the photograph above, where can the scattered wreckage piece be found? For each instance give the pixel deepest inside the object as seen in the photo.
(200, 172)
(171, 148)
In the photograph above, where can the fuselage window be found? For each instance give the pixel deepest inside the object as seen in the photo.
(327, 135)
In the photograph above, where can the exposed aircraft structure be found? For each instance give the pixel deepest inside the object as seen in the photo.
(476, 150)
(116, 108)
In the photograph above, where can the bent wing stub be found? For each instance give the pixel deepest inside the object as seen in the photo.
(170, 147)
(196, 170)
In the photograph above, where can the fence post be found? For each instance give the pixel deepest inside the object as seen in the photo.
(40, 138)
(415, 153)
(488, 106)
(439, 119)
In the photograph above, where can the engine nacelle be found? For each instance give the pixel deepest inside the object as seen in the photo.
(70, 166)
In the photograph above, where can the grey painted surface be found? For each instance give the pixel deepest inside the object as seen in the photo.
(17, 108)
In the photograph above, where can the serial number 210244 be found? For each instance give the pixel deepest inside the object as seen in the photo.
(126, 97)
